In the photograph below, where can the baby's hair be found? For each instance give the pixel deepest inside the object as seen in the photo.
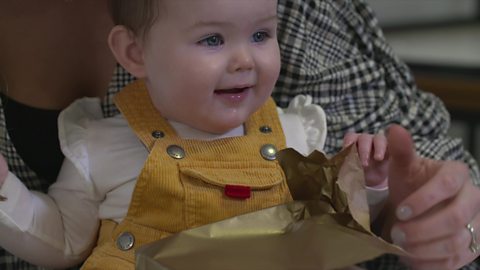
(137, 15)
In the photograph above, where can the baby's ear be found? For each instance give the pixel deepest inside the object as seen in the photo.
(127, 50)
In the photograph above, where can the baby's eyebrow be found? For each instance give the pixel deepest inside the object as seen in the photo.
(209, 23)
(203, 23)
(273, 17)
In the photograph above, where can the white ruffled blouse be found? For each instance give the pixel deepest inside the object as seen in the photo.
(103, 160)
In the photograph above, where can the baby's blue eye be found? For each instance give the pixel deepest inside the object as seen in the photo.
(212, 41)
(260, 36)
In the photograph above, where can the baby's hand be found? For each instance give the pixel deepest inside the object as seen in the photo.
(372, 150)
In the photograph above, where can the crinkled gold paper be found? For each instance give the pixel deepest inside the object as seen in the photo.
(325, 227)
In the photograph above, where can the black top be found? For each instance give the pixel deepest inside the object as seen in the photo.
(34, 133)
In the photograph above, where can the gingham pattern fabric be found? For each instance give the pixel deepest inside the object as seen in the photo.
(335, 51)
(29, 178)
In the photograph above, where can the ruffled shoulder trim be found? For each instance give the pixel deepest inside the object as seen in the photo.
(313, 120)
(104, 151)
(72, 130)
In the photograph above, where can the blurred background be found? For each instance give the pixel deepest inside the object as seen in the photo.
(440, 41)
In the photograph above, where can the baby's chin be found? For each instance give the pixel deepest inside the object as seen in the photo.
(218, 126)
(219, 129)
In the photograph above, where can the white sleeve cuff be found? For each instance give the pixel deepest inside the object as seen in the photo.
(376, 198)
(16, 211)
(376, 195)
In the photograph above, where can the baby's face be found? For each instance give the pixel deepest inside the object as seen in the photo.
(212, 63)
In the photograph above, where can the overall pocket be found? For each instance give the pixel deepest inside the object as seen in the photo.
(224, 189)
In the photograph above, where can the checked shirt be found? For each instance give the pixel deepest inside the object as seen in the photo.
(334, 51)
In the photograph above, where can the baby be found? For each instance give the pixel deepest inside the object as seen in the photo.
(196, 141)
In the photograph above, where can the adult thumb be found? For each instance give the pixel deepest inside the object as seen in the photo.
(402, 162)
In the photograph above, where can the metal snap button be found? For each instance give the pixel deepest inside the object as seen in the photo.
(265, 129)
(157, 134)
(176, 151)
(125, 241)
(268, 152)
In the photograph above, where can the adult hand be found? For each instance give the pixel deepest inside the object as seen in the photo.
(434, 201)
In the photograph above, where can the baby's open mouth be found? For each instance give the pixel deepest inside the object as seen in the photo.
(231, 91)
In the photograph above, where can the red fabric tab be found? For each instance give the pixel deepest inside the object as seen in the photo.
(237, 192)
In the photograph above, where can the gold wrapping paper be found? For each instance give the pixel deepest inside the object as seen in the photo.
(326, 227)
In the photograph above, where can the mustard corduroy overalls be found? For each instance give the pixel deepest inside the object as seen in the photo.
(188, 183)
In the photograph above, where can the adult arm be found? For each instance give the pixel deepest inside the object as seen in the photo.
(336, 52)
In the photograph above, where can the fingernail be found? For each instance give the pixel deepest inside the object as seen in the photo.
(404, 212)
(398, 236)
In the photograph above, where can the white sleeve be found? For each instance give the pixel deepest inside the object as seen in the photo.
(376, 198)
(34, 228)
(57, 230)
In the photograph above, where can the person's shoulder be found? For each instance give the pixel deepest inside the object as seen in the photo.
(83, 126)
(304, 121)
(86, 113)
(310, 114)
(81, 109)
(98, 144)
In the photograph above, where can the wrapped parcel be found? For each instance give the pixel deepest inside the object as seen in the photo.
(325, 227)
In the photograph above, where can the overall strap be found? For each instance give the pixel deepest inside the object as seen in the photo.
(135, 104)
(266, 121)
